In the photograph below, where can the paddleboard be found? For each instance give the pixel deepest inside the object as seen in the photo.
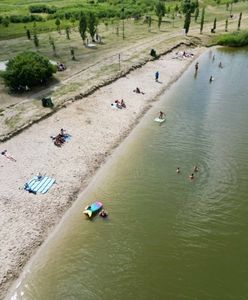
(159, 120)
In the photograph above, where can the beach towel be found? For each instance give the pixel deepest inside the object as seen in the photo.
(39, 184)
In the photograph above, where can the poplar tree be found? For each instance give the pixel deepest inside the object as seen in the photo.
(196, 14)
(36, 40)
(226, 26)
(92, 25)
(240, 17)
(57, 23)
(28, 34)
(160, 12)
(202, 19)
(82, 26)
(67, 31)
(188, 8)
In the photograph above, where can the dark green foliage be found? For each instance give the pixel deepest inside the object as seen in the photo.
(73, 54)
(92, 24)
(202, 19)
(239, 22)
(160, 12)
(25, 19)
(187, 21)
(28, 34)
(196, 14)
(42, 8)
(226, 25)
(82, 26)
(188, 8)
(51, 42)
(235, 39)
(27, 69)
(67, 31)
(36, 40)
(57, 23)
(5, 22)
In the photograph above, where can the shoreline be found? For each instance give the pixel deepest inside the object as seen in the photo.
(96, 129)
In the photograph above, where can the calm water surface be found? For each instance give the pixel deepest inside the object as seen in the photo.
(166, 237)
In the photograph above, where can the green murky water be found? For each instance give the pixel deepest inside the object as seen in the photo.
(166, 237)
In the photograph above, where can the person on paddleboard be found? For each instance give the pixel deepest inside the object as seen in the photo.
(161, 115)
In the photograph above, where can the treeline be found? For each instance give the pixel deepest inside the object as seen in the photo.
(20, 19)
(42, 8)
(235, 39)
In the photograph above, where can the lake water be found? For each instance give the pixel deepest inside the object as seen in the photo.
(166, 237)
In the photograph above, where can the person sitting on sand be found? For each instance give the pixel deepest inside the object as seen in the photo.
(123, 103)
(4, 153)
(161, 115)
(138, 91)
(178, 170)
(192, 176)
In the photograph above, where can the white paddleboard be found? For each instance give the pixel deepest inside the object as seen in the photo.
(159, 120)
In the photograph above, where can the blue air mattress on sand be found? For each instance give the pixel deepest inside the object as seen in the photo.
(39, 185)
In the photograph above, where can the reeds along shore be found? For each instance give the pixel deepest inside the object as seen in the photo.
(96, 129)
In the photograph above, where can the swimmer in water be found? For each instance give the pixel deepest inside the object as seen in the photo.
(192, 176)
(196, 169)
(178, 170)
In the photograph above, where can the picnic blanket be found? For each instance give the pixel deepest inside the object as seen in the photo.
(39, 184)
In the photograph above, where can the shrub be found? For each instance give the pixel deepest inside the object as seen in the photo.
(235, 39)
(27, 69)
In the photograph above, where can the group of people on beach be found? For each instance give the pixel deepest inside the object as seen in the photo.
(60, 139)
(192, 175)
(120, 104)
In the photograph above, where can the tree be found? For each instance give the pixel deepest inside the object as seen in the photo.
(67, 31)
(188, 8)
(27, 69)
(240, 17)
(73, 54)
(196, 14)
(36, 40)
(28, 34)
(73, 20)
(202, 19)
(214, 26)
(82, 26)
(5, 22)
(92, 25)
(51, 42)
(160, 12)
(57, 23)
(226, 25)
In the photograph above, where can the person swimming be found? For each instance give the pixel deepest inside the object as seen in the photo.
(192, 176)
(178, 170)
(211, 78)
(103, 213)
(196, 169)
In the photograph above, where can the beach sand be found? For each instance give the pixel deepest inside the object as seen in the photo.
(96, 128)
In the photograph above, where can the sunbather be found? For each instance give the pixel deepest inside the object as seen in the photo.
(123, 104)
(4, 153)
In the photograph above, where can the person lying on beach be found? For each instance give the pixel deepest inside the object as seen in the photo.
(8, 156)
(138, 91)
(118, 104)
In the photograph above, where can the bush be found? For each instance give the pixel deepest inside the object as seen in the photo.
(235, 39)
(42, 9)
(27, 69)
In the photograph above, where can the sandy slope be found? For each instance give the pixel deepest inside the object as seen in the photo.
(96, 128)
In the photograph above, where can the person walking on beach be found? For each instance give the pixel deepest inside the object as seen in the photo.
(156, 76)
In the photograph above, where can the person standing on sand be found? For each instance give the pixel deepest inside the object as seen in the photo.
(156, 76)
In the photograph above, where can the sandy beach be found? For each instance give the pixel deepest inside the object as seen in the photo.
(96, 128)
